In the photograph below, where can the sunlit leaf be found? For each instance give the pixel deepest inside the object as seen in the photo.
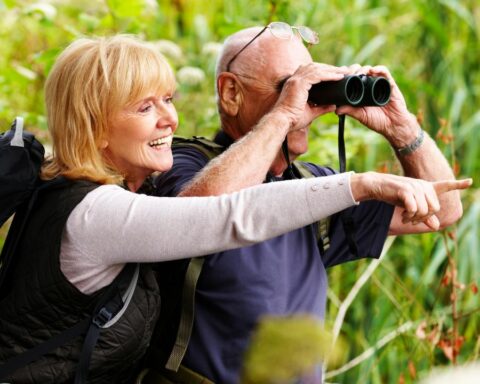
(127, 9)
(25, 72)
(45, 10)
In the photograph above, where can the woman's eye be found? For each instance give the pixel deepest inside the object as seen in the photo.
(168, 99)
(145, 108)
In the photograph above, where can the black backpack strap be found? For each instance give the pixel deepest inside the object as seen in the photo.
(7, 257)
(19, 361)
(18, 225)
(109, 310)
(13, 236)
(111, 307)
(323, 225)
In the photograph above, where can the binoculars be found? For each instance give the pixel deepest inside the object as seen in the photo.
(355, 90)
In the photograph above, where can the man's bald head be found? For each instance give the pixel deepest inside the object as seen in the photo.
(262, 53)
(233, 44)
(250, 88)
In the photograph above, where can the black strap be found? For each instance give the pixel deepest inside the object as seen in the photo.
(341, 143)
(347, 220)
(13, 238)
(103, 312)
(35, 353)
(288, 174)
(18, 226)
(106, 309)
(109, 304)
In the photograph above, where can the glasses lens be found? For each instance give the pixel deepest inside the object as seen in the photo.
(311, 37)
(280, 30)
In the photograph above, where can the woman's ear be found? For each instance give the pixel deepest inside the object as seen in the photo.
(103, 144)
(229, 93)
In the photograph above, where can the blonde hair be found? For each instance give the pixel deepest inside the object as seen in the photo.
(92, 79)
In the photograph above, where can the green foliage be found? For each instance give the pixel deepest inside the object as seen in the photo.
(285, 348)
(432, 49)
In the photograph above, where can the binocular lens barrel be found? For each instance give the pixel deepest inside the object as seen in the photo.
(348, 91)
(377, 91)
(352, 90)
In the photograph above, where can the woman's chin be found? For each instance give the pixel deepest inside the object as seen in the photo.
(164, 166)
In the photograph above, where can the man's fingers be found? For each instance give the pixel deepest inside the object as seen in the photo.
(451, 185)
(432, 222)
(322, 109)
(327, 76)
(432, 199)
(409, 203)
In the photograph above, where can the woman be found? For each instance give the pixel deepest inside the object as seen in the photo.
(111, 117)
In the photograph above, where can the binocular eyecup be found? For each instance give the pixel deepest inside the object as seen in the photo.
(355, 90)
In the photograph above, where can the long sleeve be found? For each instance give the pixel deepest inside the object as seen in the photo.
(112, 226)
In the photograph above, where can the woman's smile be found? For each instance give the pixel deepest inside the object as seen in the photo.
(162, 143)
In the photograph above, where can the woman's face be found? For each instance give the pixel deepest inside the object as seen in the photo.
(140, 137)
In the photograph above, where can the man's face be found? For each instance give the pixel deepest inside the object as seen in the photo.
(279, 60)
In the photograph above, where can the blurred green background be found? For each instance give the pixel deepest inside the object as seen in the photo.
(417, 309)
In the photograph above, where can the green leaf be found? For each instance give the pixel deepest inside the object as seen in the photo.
(126, 9)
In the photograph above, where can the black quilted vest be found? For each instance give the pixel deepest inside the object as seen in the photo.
(43, 303)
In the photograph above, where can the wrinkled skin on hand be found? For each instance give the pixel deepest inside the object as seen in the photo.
(418, 198)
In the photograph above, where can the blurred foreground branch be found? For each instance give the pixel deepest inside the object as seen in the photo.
(342, 310)
(370, 351)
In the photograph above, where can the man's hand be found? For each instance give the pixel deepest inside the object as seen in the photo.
(292, 102)
(418, 198)
(393, 121)
(401, 129)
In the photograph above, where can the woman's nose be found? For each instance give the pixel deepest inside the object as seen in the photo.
(167, 115)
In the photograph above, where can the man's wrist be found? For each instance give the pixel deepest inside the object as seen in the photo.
(279, 120)
(412, 146)
(404, 134)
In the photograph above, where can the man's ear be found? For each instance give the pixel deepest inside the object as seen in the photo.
(229, 93)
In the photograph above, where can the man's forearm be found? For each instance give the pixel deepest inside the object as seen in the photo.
(428, 163)
(245, 163)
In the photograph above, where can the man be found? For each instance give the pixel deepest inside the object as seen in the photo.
(287, 274)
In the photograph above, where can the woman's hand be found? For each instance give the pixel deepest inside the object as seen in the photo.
(418, 198)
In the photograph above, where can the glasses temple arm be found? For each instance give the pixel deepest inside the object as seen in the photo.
(246, 45)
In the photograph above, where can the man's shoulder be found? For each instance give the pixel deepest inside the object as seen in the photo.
(196, 149)
(202, 144)
(190, 155)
